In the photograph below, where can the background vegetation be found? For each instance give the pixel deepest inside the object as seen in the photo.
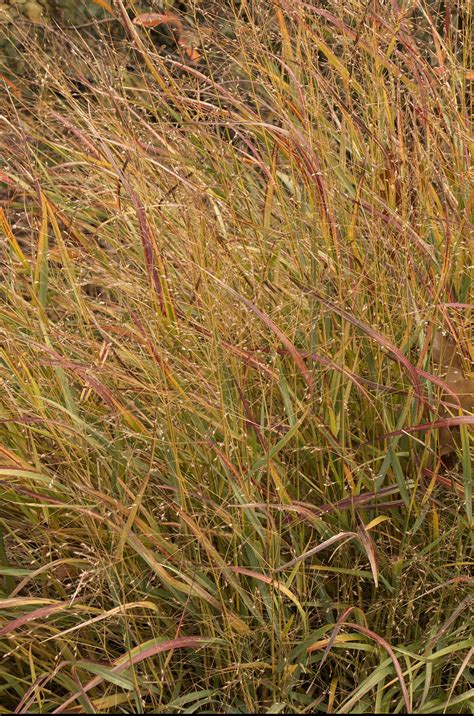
(229, 236)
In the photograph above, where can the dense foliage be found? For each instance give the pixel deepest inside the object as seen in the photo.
(234, 473)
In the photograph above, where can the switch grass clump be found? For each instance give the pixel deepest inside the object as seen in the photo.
(235, 475)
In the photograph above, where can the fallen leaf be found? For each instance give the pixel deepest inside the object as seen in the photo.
(192, 54)
(153, 19)
(448, 362)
